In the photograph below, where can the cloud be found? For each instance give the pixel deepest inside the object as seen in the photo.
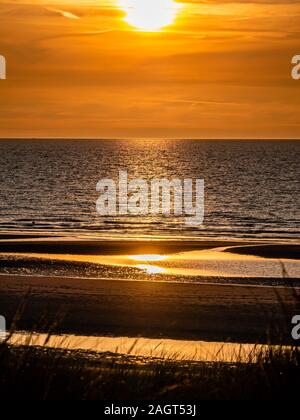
(63, 13)
(224, 68)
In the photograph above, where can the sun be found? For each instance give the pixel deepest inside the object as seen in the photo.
(149, 15)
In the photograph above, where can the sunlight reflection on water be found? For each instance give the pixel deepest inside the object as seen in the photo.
(145, 347)
(205, 263)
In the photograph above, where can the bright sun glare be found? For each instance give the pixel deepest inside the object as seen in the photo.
(148, 257)
(149, 15)
(151, 269)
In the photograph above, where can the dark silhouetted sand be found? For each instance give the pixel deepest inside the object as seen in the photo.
(150, 309)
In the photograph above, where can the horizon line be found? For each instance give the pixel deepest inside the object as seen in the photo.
(156, 138)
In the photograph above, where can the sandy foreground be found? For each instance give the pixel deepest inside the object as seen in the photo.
(149, 309)
(145, 308)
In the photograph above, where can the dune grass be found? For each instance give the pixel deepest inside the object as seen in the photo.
(29, 372)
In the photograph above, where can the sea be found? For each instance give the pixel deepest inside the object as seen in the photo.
(252, 188)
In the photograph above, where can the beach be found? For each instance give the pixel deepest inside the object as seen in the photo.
(125, 298)
(124, 319)
(130, 308)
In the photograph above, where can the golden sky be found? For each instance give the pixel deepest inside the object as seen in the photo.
(92, 68)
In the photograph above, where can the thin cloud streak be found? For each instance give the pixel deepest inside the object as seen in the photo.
(63, 13)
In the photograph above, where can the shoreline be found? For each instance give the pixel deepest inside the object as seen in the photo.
(166, 260)
(266, 248)
(56, 245)
(226, 282)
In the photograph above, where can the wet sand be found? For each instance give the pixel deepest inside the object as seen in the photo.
(243, 314)
(107, 247)
(115, 306)
(175, 261)
(146, 349)
(22, 243)
(285, 251)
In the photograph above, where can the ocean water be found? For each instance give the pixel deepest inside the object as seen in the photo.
(252, 188)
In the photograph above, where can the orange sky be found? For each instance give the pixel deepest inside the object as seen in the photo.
(222, 69)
